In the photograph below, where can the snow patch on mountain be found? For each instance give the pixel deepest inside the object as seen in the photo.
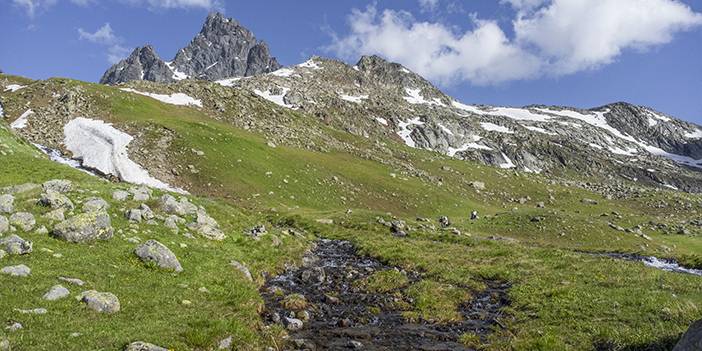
(283, 72)
(381, 120)
(228, 82)
(492, 127)
(173, 99)
(414, 96)
(406, 133)
(507, 163)
(453, 151)
(696, 134)
(177, 75)
(539, 130)
(13, 87)
(310, 64)
(351, 98)
(22, 121)
(276, 99)
(102, 147)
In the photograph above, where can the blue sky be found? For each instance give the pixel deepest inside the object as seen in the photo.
(581, 53)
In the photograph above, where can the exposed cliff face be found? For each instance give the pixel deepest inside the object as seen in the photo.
(142, 64)
(222, 49)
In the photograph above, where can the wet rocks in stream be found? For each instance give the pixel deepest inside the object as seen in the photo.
(338, 313)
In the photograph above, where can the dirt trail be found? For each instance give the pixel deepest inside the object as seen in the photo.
(343, 316)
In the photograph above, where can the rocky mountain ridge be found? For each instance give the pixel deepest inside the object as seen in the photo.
(223, 48)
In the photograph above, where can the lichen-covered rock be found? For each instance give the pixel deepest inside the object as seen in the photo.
(207, 226)
(56, 215)
(155, 252)
(103, 302)
(4, 224)
(133, 215)
(142, 193)
(55, 200)
(143, 346)
(7, 203)
(85, 227)
(56, 292)
(16, 271)
(95, 204)
(14, 245)
(169, 204)
(23, 220)
(58, 185)
(173, 221)
(120, 195)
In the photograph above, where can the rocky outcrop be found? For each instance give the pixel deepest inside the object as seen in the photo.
(103, 302)
(222, 49)
(692, 339)
(85, 227)
(142, 64)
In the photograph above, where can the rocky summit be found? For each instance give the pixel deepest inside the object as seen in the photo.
(222, 49)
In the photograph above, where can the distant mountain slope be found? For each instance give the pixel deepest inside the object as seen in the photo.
(380, 98)
(222, 49)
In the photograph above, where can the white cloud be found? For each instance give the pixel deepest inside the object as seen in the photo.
(106, 36)
(428, 5)
(33, 7)
(551, 38)
(179, 4)
(584, 34)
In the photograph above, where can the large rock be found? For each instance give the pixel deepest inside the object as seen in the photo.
(16, 271)
(7, 203)
(14, 245)
(95, 204)
(692, 339)
(242, 268)
(154, 251)
(55, 200)
(207, 226)
(102, 302)
(85, 227)
(170, 205)
(23, 220)
(143, 346)
(58, 185)
(56, 292)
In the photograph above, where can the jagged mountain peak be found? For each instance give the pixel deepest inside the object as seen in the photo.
(222, 49)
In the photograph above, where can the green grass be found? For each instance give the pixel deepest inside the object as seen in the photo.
(560, 298)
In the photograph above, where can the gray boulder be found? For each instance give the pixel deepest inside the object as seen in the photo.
(173, 221)
(16, 271)
(55, 200)
(56, 215)
(120, 195)
(23, 220)
(141, 193)
(95, 204)
(14, 245)
(134, 215)
(444, 222)
(85, 227)
(4, 224)
(154, 251)
(692, 339)
(207, 226)
(170, 205)
(7, 203)
(143, 346)
(102, 302)
(56, 292)
(58, 185)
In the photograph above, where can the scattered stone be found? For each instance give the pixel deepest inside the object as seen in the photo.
(32, 311)
(56, 292)
(141, 193)
(14, 245)
(540, 204)
(398, 228)
(183, 207)
(15, 326)
(85, 227)
(225, 344)
(23, 220)
(133, 215)
(56, 215)
(315, 275)
(293, 324)
(444, 222)
(537, 219)
(4, 224)
(257, 231)
(173, 221)
(7, 203)
(102, 302)
(54, 199)
(120, 195)
(58, 185)
(477, 185)
(42, 230)
(154, 251)
(473, 215)
(242, 268)
(325, 221)
(207, 226)
(589, 201)
(95, 204)
(74, 281)
(143, 346)
(16, 271)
